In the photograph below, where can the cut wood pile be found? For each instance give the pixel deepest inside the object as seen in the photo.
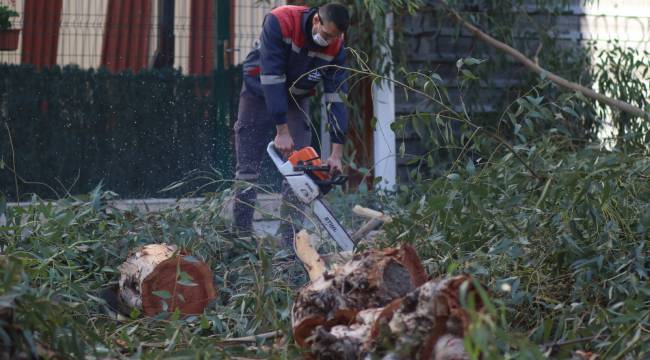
(380, 304)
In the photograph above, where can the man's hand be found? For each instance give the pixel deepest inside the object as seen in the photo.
(334, 161)
(283, 141)
(335, 164)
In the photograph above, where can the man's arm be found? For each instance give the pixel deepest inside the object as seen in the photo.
(273, 61)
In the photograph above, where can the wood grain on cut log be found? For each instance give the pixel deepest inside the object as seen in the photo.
(342, 341)
(426, 324)
(370, 280)
(157, 274)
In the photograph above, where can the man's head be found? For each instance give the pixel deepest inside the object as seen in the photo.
(329, 23)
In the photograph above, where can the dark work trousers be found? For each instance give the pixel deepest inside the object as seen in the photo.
(252, 131)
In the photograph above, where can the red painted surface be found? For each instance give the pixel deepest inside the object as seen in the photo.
(126, 35)
(201, 37)
(42, 21)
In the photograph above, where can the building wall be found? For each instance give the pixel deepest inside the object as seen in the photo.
(627, 21)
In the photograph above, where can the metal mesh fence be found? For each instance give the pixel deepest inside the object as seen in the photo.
(83, 25)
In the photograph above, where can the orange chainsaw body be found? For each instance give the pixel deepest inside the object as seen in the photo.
(308, 156)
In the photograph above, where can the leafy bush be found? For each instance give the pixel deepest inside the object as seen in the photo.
(555, 226)
(565, 256)
(65, 130)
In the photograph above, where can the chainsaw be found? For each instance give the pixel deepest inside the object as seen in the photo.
(310, 180)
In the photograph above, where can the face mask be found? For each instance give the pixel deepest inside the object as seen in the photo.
(319, 40)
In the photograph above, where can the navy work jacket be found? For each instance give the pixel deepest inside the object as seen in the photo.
(287, 63)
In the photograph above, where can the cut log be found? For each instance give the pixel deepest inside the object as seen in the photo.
(425, 323)
(342, 341)
(157, 278)
(370, 280)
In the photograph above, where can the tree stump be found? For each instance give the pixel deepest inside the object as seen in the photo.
(370, 280)
(156, 278)
(380, 303)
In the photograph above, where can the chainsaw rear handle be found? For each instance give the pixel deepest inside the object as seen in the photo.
(275, 155)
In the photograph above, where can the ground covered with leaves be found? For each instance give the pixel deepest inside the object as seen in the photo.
(57, 257)
(563, 253)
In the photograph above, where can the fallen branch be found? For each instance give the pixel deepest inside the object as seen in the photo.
(307, 254)
(615, 103)
(370, 280)
(371, 214)
(250, 339)
(376, 220)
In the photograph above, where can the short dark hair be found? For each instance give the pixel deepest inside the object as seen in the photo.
(336, 13)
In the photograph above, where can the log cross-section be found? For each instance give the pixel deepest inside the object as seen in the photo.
(158, 278)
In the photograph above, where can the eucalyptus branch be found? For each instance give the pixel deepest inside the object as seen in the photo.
(615, 103)
(445, 107)
(13, 157)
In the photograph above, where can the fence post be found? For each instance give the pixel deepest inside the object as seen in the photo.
(222, 84)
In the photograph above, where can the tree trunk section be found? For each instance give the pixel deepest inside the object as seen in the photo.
(370, 280)
(380, 303)
(157, 278)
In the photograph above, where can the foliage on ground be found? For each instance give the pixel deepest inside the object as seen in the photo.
(57, 257)
(563, 255)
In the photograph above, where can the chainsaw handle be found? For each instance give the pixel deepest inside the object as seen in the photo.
(336, 180)
(275, 155)
(302, 167)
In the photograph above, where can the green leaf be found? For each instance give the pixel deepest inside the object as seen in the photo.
(164, 294)
(135, 313)
(204, 323)
(186, 282)
(468, 74)
(472, 61)
(471, 169)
